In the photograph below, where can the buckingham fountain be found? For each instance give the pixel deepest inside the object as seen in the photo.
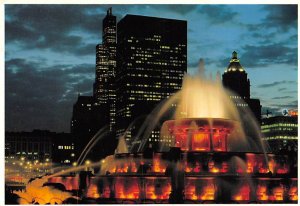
(210, 152)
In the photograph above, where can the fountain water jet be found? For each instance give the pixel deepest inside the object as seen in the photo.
(99, 135)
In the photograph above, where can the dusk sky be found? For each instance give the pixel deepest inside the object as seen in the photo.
(50, 53)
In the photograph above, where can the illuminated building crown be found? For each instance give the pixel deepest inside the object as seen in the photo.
(234, 65)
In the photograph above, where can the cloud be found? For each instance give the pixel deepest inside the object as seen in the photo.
(217, 14)
(257, 56)
(281, 17)
(33, 92)
(264, 38)
(276, 83)
(87, 49)
(180, 9)
(283, 97)
(55, 27)
(281, 89)
(292, 92)
(292, 104)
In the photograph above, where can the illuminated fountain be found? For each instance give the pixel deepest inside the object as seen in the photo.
(210, 153)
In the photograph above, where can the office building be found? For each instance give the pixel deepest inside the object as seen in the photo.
(32, 146)
(236, 79)
(281, 133)
(104, 86)
(151, 62)
(63, 149)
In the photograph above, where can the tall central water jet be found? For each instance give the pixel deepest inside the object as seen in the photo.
(205, 112)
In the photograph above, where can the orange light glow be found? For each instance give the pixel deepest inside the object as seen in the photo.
(201, 142)
(133, 167)
(243, 193)
(204, 136)
(263, 170)
(92, 191)
(277, 194)
(204, 190)
(158, 189)
(261, 165)
(282, 169)
(293, 112)
(293, 193)
(127, 188)
(70, 183)
(113, 170)
(188, 169)
(158, 165)
(261, 192)
(190, 192)
(272, 165)
(212, 168)
(220, 141)
(208, 192)
(37, 193)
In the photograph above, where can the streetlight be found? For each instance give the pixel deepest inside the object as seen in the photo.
(87, 162)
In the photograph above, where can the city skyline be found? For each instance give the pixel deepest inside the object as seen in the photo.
(33, 67)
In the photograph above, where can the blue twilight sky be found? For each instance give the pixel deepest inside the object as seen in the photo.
(50, 53)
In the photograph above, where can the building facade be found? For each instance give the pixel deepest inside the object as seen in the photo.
(104, 86)
(151, 62)
(32, 146)
(235, 78)
(86, 121)
(281, 133)
(36, 153)
(63, 149)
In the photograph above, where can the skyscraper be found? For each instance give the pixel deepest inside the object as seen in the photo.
(104, 86)
(151, 62)
(90, 113)
(236, 79)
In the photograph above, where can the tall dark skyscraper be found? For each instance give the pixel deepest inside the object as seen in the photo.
(104, 86)
(151, 62)
(90, 113)
(236, 79)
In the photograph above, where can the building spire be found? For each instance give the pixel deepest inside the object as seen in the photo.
(234, 55)
(109, 11)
